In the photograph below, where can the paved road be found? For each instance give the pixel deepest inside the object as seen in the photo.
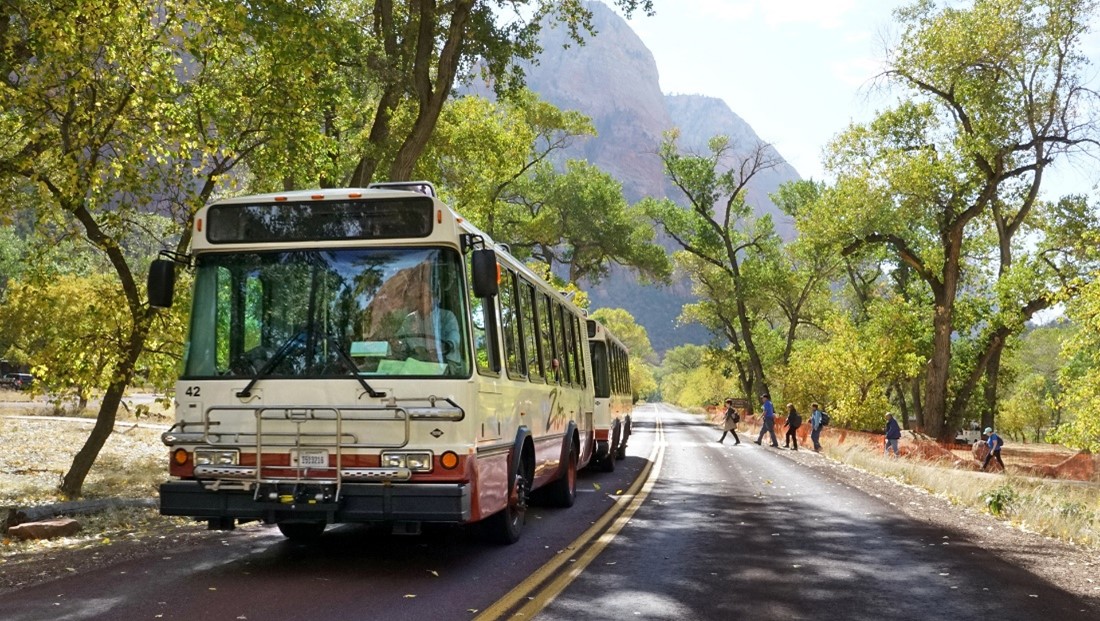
(726, 532)
(741, 532)
(353, 573)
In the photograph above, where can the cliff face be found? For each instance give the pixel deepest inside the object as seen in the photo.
(613, 80)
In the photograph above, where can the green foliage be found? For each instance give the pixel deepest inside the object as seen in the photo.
(1000, 500)
(1079, 380)
(851, 369)
(497, 163)
(726, 249)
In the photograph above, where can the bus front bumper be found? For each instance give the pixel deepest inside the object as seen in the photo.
(358, 503)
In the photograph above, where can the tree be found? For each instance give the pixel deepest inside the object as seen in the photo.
(995, 96)
(579, 219)
(718, 227)
(482, 148)
(1079, 378)
(420, 49)
(852, 369)
(497, 162)
(799, 279)
(112, 110)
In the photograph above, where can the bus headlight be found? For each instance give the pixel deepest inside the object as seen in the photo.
(216, 457)
(417, 462)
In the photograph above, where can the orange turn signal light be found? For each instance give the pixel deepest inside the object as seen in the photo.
(448, 460)
(180, 456)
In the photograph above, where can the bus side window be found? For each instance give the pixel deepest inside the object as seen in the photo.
(510, 326)
(563, 344)
(580, 349)
(546, 338)
(482, 312)
(530, 330)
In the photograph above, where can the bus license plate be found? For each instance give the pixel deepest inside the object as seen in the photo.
(312, 459)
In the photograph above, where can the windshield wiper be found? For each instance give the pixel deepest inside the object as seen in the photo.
(352, 367)
(269, 366)
(284, 349)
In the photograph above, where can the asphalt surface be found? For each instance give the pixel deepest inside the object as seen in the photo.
(725, 532)
(740, 532)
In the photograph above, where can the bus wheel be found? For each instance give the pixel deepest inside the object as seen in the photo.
(608, 463)
(506, 525)
(620, 451)
(563, 491)
(302, 531)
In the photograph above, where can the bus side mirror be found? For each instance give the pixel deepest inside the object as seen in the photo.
(161, 283)
(485, 272)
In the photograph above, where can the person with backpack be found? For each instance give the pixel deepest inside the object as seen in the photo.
(893, 434)
(994, 442)
(729, 423)
(767, 423)
(817, 421)
(794, 421)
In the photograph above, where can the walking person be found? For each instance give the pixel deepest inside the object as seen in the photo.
(893, 434)
(994, 442)
(729, 423)
(794, 421)
(767, 425)
(816, 423)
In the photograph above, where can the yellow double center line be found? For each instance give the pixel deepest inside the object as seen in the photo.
(541, 587)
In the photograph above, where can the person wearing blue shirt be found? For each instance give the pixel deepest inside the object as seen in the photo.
(994, 442)
(768, 424)
(893, 434)
(815, 425)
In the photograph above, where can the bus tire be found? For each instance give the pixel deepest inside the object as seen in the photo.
(620, 450)
(303, 532)
(608, 463)
(562, 492)
(506, 526)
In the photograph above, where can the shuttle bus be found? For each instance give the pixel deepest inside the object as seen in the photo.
(367, 355)
(614, 398)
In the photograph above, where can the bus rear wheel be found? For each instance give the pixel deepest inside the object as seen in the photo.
(506, 525)
(302, 531)
(563, 491)
(608, 462)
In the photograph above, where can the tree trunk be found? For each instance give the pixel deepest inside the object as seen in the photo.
(992, 376)
(431, 94)
(903, 406)
(73, 482)
(939, 365)
(918, 404)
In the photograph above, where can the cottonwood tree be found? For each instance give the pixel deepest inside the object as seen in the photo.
(718, 227)
(994, 96)
(112, 109)
(579, 220)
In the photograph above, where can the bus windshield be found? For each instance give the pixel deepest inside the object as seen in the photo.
(329, 313)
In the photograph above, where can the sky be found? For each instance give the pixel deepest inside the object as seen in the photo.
(797, 71)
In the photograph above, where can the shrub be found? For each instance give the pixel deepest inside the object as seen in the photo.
(1000, 499)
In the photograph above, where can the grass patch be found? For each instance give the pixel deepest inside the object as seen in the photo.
(1066, 510)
